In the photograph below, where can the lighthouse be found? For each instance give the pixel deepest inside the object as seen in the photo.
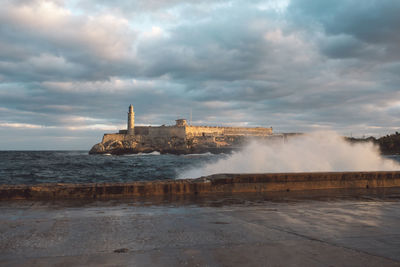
(131, 121)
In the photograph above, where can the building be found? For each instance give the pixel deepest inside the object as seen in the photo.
(181, 130)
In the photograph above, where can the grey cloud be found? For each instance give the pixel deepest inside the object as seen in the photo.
(343, 46)
(373, 22)
(55, 104)
(62, 47)
(231, 45)
(143, 8)
(317, 64)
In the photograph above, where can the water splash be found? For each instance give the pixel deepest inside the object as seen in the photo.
(318, 151)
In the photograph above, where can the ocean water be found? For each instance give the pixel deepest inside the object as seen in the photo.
(33, 167)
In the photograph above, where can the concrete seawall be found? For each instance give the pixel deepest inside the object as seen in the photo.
(219, 183)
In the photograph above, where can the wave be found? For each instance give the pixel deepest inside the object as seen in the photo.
(319, 151)
(154, 153)
(198, 154)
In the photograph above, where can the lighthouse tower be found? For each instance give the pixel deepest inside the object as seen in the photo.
(131, 121)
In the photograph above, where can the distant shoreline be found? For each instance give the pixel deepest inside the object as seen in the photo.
(388, 145)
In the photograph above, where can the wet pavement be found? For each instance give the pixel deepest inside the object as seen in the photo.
(238, 230)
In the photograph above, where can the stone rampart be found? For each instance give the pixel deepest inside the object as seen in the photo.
(192, 131)
(247, 131)
(237, 131)
(178, 139)
(167, 132)
(187, 132)
(141, 130)
(175, 139)
(113, 137)
(219, 183)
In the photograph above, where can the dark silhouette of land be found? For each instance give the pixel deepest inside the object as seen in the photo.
(388, 145)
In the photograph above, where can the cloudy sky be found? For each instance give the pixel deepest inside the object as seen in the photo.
(70, 69)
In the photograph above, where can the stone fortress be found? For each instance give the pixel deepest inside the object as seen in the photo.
(180, 138)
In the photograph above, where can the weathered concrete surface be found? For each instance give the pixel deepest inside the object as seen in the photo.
(224, 231)
(220, 183)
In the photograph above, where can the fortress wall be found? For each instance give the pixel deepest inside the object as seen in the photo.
(187, 131)
(167, 132)
(151, 132)
(113, 137)
(142, 130)
(247, 131)
(199, 130)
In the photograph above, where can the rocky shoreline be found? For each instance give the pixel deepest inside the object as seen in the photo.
(388, 145)
(101, 149)
(178, 146)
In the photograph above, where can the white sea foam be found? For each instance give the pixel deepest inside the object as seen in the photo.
(154, 153)
(197, 154)
(318, 151)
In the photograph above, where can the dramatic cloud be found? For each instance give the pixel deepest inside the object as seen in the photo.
(69, 69)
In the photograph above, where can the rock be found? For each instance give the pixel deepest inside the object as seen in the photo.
(97, 149)
(125, 144)
(121, 250)
(115, 145)
(129, 144)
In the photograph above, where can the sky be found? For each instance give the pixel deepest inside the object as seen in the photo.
(70, 69)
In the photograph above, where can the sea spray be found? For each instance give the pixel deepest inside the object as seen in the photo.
(318, 151)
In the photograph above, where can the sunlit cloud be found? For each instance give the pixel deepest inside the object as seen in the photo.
(295, 65)
(20, 125)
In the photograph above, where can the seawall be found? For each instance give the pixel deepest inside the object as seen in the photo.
(219, 183)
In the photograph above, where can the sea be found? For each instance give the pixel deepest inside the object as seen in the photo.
(35, 167)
